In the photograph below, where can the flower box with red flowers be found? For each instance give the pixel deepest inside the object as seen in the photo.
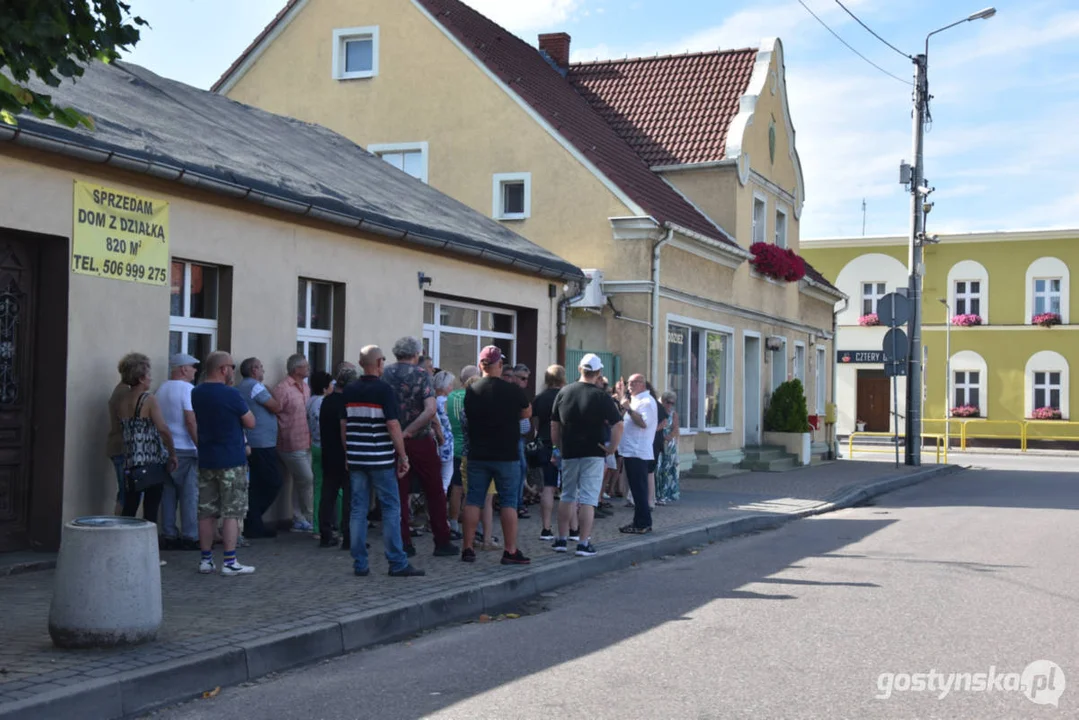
(870, 320)
(1048, 319)
(967, 320)
(776, 262)
(966, 411)
(1045, 413)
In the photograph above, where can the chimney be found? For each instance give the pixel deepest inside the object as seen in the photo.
(556, 45)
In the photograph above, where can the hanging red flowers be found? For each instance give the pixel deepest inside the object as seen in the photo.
(776, 262)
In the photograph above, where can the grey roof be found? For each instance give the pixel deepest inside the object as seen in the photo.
(165, 128)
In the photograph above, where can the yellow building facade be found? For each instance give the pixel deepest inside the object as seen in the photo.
(999, 302)
(664, 242)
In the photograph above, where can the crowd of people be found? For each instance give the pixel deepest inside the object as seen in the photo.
(377, 442)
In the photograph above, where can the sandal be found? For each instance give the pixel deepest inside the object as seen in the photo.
(632, 529)
(522, 514)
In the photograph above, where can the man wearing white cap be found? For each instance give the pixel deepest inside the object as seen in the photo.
(581, 413)
(174, 399)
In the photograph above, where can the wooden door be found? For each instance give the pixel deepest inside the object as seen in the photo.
(874, 400)
(17, 313)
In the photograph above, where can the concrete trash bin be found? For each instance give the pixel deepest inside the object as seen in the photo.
(107, 590)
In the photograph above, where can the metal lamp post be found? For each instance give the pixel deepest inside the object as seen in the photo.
(947, 370)
(919, 194)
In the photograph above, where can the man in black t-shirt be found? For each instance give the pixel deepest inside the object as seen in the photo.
(334, 473)
(555, 380)
(493, 409)
(579, 421)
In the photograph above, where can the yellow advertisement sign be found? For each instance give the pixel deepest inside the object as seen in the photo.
(120, 235)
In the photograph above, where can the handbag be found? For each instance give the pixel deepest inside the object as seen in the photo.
(537, 453)
(144, 451)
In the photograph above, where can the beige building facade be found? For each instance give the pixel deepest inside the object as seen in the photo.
(264, 272)
(521, 135)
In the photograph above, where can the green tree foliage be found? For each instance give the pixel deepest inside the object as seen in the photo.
(787, 411)
(53, 40)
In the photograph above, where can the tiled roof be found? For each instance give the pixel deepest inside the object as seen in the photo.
(539, 84)
(671, 110)
(216, 87)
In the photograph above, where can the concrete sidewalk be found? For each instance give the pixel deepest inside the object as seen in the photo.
(304, 603)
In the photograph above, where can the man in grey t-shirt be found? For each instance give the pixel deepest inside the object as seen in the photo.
(265, 471)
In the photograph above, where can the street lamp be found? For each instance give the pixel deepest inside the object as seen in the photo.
(947, 369)
(919, 205)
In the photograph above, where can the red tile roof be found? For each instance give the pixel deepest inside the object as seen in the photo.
(539, 84)
(671, 110)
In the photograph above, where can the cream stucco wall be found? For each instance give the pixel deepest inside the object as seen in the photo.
(267, 252)
(427, 90)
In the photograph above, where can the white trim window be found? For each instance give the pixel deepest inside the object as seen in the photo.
(700, 370)
(407, 157)
(968, 297)
(1047, 387)
(1047, 295)
(779, 364)
(967, 388)
(760, 217)
(781, 227)
(800, 364)
(314, 323)
(193, 308)
(455, 332)
(355, 53)
(511, 196)
(822, 379)
(872, 292)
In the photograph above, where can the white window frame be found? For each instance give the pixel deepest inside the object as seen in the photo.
(404, 148)
(1047, 361)
(760, 230)
(307, 334)
(966, 386)
(702, 368)
(822, 378)
(800, 364)
(1047, 387)
(344, 35)
(434, 330)
(781, 238)
(498, 180)
(967, 296)
(1049, 268)
(781, 355)
(879, 290)
(185, 324)
(1047, 295)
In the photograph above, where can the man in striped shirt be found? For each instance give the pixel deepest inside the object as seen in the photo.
(375, 456)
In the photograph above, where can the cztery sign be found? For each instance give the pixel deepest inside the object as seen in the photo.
(120, 235)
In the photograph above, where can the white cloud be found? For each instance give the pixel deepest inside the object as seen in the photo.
(520, 16)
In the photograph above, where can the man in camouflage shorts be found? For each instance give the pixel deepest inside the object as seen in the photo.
(221, 415)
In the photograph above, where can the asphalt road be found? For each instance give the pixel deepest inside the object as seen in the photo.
(973, 573)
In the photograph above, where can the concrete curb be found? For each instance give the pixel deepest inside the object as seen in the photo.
(139, 691)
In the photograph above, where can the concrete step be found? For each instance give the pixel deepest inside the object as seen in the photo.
(763, 453)
(775, 465)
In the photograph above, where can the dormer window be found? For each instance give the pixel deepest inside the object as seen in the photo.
(355, 53)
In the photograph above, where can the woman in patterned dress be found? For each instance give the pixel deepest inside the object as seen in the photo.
(667, 471)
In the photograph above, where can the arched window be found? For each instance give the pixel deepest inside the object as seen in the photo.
(1047, 289)
(866, 279)
(969, 377)
(968, 289)
(1046, 381)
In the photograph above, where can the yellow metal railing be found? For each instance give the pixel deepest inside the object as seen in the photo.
(938, 438)
(984, 429)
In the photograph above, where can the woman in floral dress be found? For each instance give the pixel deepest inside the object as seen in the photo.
(667, 470)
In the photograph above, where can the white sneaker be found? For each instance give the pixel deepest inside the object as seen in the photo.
(206, 566)
(236, 569)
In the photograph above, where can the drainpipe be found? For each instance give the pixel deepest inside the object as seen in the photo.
(577, 288)
(653, 370)
(835, 373)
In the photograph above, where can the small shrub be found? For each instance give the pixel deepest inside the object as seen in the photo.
(788, 412)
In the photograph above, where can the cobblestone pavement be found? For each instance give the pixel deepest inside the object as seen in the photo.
(298, 584)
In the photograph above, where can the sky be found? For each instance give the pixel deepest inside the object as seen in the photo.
(1002, 151)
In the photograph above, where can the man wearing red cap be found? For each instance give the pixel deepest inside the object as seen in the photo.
(493, 409)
